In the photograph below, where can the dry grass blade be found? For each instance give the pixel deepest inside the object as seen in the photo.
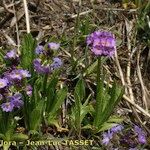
(129, 27)
(17, 17)
(27, 16)
(144, 93)
(6, 7)
(133, 104)
(9, 39)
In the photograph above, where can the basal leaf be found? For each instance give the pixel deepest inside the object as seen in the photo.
(28, 52)
(19, 137)
(36, 116)
(59, 99)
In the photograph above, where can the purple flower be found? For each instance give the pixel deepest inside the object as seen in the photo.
(54, 46)
(16, 100)
(137, 129)
(29, 90)
(56, 63)
(24, 73)
(11, 54)
(102, 43)
(7, 107)
(39, 67)
(117, 128)
(3, 83)
(107, 136)
(142, 138)
(141, 134)
(14, 75)
(18, 74)
(39, 49)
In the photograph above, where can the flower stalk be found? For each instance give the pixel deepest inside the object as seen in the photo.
(99, 92)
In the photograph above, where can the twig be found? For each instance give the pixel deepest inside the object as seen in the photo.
(120, 70)
(136, 106)
(132, 103)
(106, 9)
(129, 28)
(9, 39)
(27, 16)
(80, 14)
(6, 8)
(17, 29)
(144, 95)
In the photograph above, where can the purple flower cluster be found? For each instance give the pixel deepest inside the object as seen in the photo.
(42, 64)
(15, 101)
(56, 63)
(47, 68)
(107, 136)
(11, 54)
(53, 46)
(117, 129)
(3, 83)
(17, 74)
(127, 139)
(141, 134)
(8, 96)
(102, 43)
(40, 49)
(39, 67)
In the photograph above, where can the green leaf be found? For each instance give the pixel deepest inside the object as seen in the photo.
(59, 99)
(99, 94)
(89, 126)
(79, 95)
(116, 94)
(36, 116)
(57, 125)
(33, 132)
(51, 94)
(106, 126)
(115, 119)
(92, 68)
(2, 136)
(85, 110)
(10, 129)
(79, 92)
(19, 137)
(28, 52)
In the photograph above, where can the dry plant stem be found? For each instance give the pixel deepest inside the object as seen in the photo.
(144, 95)
(9, 39)
(105, 9)
(6, 7)
(129, 28)
(132, 103)
(27, 16)
(17, 29)
(81, 14)
(120, 70)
